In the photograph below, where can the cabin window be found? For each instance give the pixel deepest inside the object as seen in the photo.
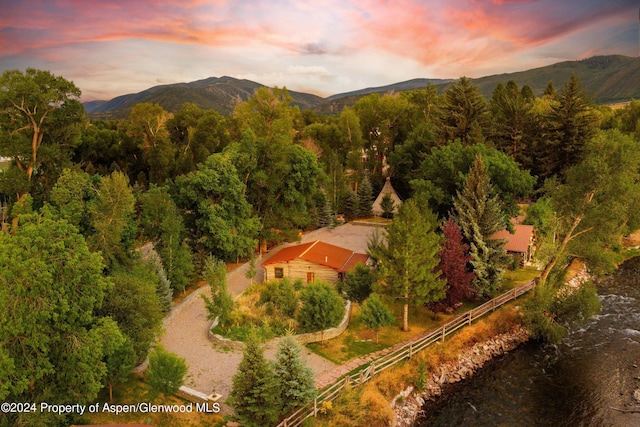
(311, 277)
(278, 272)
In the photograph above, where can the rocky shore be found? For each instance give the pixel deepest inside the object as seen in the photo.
(408, 404)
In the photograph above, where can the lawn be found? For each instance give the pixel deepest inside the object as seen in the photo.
(358, 340)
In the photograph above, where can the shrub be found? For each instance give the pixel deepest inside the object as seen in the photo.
(166, 371)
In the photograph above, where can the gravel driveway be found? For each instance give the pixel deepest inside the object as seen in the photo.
(211, 368)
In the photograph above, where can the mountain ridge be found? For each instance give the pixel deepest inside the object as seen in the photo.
(607, 79)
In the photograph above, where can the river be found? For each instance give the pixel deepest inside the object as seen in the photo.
(575, 383)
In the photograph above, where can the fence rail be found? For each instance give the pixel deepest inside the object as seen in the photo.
(365, 372)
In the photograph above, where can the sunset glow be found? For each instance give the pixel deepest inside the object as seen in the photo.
(109, 48)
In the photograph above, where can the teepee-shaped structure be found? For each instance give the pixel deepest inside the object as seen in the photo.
(387, 189)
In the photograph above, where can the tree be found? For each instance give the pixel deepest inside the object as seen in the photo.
(52, 338)
(407, 263)
(112, 218)
(364, 197)
(295, 381)
(478, 212)
(148, 128)
(375, 314)
(454, 264)
(350, 205)
(166, 371)
(220, 304)
(358, 283)
(33, 104)
(322, 308)
(443, 173)
(596, 205)
(163, 286)
(462, 107)
(387, 205)
(572, 122)
(134, 304)
(71, 197)
(219, 217)
(119, 363)
(253, 395)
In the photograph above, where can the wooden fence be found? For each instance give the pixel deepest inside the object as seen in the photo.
(406, 351)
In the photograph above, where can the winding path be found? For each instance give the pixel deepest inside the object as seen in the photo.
(211, 368)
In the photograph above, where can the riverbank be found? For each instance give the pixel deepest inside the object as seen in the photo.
(408, 404)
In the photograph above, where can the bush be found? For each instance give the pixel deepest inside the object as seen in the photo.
(279, 296)
(166, 371)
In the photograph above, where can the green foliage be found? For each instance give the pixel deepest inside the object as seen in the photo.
(443, 172)
(295, 380)
(72, 196)
(119, 363)
(350, 206)
(134, 304)
(407, 263)
(166, 371)
(358, 283)
(479, 214)
(111, 215)
(216, 211)
(253, 395)
(52, 340)
(322, 307)
(463, 109)
(221, 303)
(41, 114)
(365, 197)
(163, 286)
(387, 205)
(280, 297)
(375, 314)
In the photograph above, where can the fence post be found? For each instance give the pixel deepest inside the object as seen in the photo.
(410, 350)
(493, 303)
(469, 315)
(315, 407)
(444, 334)
(372, 369)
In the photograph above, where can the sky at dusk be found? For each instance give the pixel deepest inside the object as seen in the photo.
(111, 48)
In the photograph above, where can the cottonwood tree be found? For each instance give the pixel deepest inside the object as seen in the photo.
(294, 379)
(52, 338)
(598, 203)
(253, 395)
(166, 371)
(407, 262)
(478, 212)
(32, 105)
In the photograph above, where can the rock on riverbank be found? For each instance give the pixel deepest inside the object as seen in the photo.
(408, 404)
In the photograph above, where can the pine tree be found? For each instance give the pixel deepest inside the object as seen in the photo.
(478, 212)
(253, 393)
(365, 192)
(295, 379)
(350, 205)
(463, 105)
(163, 287)
(454, 264)
(221, 302)
(407, 264)
(387, 206)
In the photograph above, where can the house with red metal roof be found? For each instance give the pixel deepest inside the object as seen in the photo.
(520, 243)
(312, 261)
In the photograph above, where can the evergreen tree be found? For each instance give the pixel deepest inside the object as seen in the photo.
(454, 264)
(387, 206)
(572, 122)
(463, 106)
(295, 380)
(375, 314)
(221, 303)
(478, 212)
(364, 197)
(163, 287)
(350, 205)
(407, 264)
(253, 395)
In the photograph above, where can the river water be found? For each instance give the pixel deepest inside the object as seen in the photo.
(575, 383)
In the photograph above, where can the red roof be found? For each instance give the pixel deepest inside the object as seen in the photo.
(335, 257)
(519, 240)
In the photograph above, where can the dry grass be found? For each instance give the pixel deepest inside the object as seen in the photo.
(370, 404)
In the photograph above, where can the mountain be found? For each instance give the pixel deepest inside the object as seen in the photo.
(608, 79)
(218, 93)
